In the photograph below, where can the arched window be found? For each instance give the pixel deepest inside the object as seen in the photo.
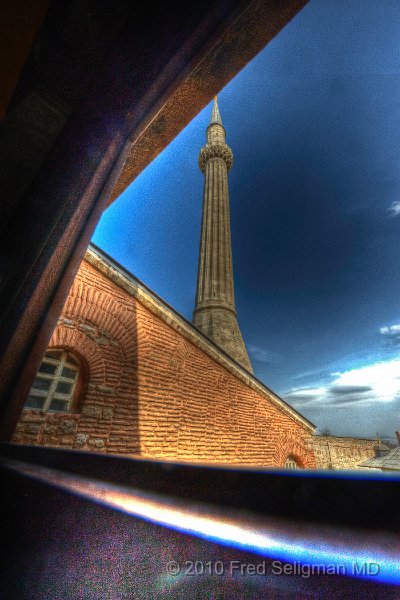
(291, 463)
(55, 382)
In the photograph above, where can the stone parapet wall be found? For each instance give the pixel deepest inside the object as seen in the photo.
(342, 452)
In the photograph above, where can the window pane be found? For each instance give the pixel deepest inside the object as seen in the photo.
(63, 387)
(71, 360)
(71, 373)
(41, 384)
(34, 402)
(53, 354)
(47, 368)
(58, 405)
(54, 383)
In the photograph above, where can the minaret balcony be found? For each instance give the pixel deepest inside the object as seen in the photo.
(218, 150)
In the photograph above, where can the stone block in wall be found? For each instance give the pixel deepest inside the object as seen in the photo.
(81, 439)
(49, 428)
(66, 322)
(108, 413)
(96, 442)
(87, 328)
(92, 411)
(32, 428)
(67, 426)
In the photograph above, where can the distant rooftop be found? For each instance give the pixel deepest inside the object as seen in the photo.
(389, 462)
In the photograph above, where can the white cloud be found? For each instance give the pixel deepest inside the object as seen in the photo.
(391, 330)
(394, 208)
(376, 383)
(383, 378)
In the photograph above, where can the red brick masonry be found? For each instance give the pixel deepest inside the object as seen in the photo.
(157, 387)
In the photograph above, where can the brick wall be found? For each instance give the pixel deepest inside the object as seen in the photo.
(157, 387)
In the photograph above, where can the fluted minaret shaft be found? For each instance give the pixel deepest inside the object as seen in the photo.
(215, 312)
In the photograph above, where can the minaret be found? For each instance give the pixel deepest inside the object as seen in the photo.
(215, 312)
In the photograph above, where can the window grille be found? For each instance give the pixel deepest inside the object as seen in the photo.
(55, 382)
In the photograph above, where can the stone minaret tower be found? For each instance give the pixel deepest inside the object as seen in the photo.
(215, 312)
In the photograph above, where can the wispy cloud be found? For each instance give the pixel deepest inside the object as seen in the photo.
(262, 355)
(315, 373)
(394, 208)
(376, 383)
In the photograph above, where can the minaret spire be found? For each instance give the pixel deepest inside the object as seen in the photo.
(215, 312)
(215, 114)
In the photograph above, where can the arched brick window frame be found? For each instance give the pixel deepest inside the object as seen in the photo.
(296, 444)
(293, 462)
(62, 378)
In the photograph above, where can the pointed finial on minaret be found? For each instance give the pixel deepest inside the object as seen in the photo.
(215, 116)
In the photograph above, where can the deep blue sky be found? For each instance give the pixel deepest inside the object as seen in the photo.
(314, 125)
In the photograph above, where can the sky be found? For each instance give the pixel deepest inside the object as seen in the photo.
(314, 125)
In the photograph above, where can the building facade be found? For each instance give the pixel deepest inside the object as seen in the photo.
(124, 373)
